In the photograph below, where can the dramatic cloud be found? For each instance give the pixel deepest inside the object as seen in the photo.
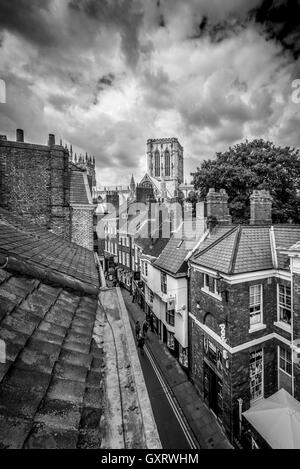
(106, 75)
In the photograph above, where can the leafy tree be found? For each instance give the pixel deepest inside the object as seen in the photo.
(257, 164)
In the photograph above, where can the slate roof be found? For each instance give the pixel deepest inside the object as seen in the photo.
(51, 386)
(31, 243)
(79, 189)
(172, 257)
(51, 383)
(285, 237)
(152, 246)
(246, 248)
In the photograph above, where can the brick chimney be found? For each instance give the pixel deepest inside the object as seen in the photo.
(51, 140)
(3, 138)
(260, 208)
(20, 135)
(217, 207)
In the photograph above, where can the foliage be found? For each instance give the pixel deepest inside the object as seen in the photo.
(257, 164)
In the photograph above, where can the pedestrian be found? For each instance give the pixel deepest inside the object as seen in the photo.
(151, 322)
(137, 329)
(145, 329)
(133, 296)
(141, 343)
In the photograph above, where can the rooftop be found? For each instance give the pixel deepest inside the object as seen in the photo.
(152, 246)
(239, 249)
(24, 241)
(79, 188)
(50, 385)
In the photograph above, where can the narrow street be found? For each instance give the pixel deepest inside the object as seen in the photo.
(169, 427)
(173, 428)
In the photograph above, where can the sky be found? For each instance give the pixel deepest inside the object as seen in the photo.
(106, 75)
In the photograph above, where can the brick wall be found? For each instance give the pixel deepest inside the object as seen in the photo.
(34, 182)
(82, 227)
(234, 307)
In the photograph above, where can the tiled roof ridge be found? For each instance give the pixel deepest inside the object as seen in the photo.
(51, 276)
(217, 241)
(235, 249)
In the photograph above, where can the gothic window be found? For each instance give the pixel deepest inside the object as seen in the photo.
(167, 163)
(157, 164)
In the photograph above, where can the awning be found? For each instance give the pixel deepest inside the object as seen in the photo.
(277, 420)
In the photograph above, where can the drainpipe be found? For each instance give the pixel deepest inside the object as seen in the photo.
(240, 401)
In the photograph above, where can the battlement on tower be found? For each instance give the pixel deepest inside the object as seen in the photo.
(163, 141)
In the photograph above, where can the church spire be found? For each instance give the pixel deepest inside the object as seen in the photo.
(132, 183)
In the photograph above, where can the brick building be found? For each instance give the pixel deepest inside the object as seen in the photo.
(41, 183)
(240, 320)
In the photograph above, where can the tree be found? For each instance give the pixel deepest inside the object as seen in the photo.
(257, 164)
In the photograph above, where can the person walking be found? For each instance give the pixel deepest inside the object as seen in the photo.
(141, 343)
(137, 329)
(151, 322)
(145, 329)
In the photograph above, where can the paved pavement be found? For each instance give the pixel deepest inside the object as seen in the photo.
(202, 421)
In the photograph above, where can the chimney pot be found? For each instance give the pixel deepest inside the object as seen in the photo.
(3, 137)
(51, 140)
(20, 135)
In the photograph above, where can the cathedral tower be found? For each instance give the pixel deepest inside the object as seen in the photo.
(165, 160)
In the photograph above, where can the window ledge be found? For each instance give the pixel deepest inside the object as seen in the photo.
(283, 326)
(258, 327)
(214, 295)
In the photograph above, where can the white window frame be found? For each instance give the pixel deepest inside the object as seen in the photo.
(136, 255)
(206, 289)
(261, 322)
(262, 376)
(164, 290)
(283, 323)
(279, 348)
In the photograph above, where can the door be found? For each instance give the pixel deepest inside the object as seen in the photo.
(213, 402)
(213, 390)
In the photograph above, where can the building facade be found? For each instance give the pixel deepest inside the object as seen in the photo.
(240, 321)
